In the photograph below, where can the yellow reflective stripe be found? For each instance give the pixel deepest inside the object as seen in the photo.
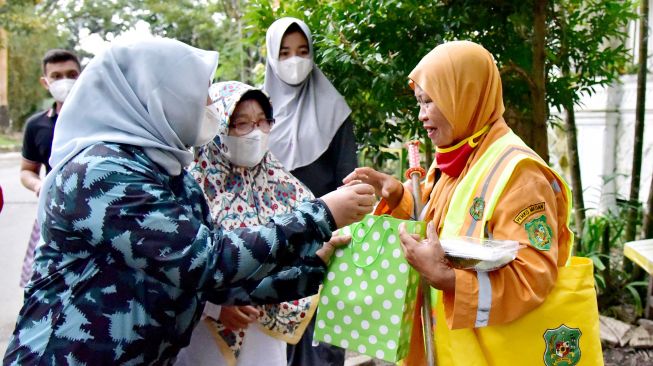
(502, 181)
(478, 177)
(499, 183)
(490, 205)
(464, 192)
(481, 180)
(454, 221)
(567, 192)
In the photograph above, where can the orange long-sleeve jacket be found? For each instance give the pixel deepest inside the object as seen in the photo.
(517, 288)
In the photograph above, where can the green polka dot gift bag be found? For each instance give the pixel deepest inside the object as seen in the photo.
(368, 298)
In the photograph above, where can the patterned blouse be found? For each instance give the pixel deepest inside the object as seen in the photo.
(130, 255)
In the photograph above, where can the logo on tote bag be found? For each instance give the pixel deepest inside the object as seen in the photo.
(562, 346)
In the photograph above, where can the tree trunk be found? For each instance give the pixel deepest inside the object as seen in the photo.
(538, 132)
(572, 139)
(605, 250)
(574, 167)
(631, 223)
(608, 202)
(4, 76)
(647, 227)
(428, 153)
(631, 218)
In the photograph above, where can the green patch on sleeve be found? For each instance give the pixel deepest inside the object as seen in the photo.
(539, 233)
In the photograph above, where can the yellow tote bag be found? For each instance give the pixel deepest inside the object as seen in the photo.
(563, 331)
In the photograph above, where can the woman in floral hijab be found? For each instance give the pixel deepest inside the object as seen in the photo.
(245, 186)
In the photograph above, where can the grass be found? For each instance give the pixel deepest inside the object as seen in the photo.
(8, 141)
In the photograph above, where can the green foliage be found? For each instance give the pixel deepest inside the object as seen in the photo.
(26, 95)
(212, 25)
(603, 241)
(18, 16)
(588, 44)
(40, 25)
(367, 49)
(29, 36)
(594, 230)
(8, 141)
(206, 25)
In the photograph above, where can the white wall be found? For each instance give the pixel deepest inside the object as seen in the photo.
(625, 136)
(605, 124)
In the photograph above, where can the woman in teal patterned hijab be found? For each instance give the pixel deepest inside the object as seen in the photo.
(129, 254)
(245, 185)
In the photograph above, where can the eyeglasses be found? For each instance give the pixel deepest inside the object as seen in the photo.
(243, 127)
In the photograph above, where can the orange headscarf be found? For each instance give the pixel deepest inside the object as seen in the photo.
(464, 82)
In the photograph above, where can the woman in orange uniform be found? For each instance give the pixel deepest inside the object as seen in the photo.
(486, 183)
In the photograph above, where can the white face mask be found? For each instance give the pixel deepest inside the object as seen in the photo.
(208, 127)
(247, 150)
(295, 69)
(59, 89)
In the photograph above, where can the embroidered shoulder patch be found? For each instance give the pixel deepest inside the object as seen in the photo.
(539, 233)
(527, 212)
(562, 346)
(478, 206)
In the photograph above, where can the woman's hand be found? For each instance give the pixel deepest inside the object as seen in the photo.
(238, 317)
(427, 257)
(385, 186)
(330, 247)
(350, 204)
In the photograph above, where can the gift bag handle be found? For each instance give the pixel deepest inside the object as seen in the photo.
(384, 239)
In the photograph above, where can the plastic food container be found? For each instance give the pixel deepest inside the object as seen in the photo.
(479, 254)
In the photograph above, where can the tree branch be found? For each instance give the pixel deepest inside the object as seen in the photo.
(513, 68)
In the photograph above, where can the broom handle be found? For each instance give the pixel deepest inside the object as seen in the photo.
(427, 320)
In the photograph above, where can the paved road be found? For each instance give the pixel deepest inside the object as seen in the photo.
(16, 221)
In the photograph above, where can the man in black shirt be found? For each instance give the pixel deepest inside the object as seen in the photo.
(60, 70)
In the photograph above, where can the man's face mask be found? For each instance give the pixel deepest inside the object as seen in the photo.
(59, 89)
(247, 150)
(295, 69)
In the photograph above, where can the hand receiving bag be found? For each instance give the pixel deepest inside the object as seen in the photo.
(368, 298)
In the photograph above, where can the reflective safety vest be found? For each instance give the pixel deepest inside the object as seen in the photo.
(563, 330)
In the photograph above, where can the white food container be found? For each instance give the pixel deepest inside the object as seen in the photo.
(479, 254)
